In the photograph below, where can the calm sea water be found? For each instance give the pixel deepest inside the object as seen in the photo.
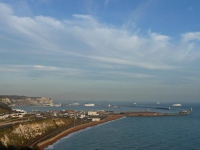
(122, 106)
(152, 133)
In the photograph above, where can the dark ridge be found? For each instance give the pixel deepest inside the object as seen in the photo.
(5, 107)
(11, 147)
(13, 96)
(16, 97)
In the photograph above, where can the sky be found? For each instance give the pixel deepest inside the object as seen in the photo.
(117, 50)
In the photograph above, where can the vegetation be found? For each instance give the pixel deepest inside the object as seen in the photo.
(2, 111)
(4, 108)
(11, 147)
(13, 97)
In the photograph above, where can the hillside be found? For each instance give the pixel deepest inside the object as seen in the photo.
(4, 108)
(22, 133)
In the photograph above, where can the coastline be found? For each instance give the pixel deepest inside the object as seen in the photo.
(52, 140)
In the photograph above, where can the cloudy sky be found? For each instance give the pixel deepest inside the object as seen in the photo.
(141, 50)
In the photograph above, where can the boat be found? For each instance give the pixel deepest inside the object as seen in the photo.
(184, 112)
(112, 106)
(177, 105)
(191, 109)
(89, 104)
(73, 104)
(57, 105)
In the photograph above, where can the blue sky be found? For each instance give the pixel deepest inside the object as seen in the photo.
(141, 50)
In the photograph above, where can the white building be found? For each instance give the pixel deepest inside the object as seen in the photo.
(20, 111)
(82, 116)
(96, 119)
(92, 113)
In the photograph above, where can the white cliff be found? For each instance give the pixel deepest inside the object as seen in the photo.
(24, 132)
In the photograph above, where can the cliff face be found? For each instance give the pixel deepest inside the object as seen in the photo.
(25, 101)
(22, 133)
(5, 101)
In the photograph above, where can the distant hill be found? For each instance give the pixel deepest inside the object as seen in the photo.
(15, 97)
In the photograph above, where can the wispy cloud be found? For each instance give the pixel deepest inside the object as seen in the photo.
(106, 2)
(8, 69)
(27, 68)
(45, 68)
(84, 41)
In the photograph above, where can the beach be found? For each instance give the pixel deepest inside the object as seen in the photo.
(52, 140)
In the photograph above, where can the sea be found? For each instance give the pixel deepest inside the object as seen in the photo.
(137, 133)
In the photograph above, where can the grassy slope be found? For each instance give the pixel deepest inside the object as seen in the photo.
(2, 111)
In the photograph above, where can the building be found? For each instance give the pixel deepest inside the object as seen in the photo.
(92, 113)
(96, 119)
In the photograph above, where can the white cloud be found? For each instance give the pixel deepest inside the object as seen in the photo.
(190, 36)
(46, 68)
(84, 37)
(87, 17)
(5, 9)
(159, 38)
(81, 51)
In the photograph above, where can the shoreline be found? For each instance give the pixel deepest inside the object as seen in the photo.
(46, 143)
(50, 141)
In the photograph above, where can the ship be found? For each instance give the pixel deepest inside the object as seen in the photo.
(73, 104)
(112, 106)
(57, 105)
(89, 104)
(177, 105)
(184, 112)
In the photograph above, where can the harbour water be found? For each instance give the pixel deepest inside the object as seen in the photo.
(120, 107)
(168, 132)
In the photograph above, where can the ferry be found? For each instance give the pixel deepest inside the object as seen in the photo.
(177, 105)
(73, 104)
(57, 105)
(89, 104)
